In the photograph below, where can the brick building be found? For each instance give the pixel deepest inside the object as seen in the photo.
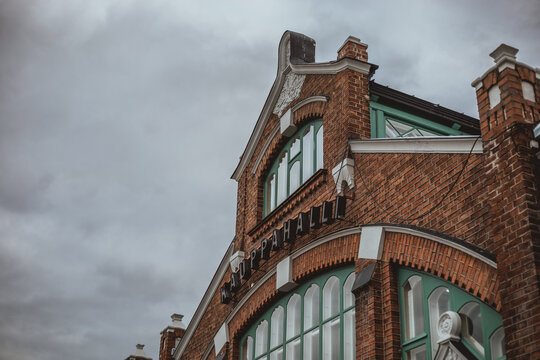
(372, 224)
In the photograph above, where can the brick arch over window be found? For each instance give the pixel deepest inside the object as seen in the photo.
(304, 111)
(309, 111)
(330, 252)
(449, 263)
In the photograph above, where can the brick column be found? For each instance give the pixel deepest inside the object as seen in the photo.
(508, 112)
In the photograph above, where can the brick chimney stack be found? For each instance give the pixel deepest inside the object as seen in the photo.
(171, 336)
(353, 48)
(508, 105)
(507, 93)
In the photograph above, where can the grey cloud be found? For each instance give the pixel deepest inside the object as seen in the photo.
(121, 123)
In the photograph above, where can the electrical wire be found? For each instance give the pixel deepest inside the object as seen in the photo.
(387, 212)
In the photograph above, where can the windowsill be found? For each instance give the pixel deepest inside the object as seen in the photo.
(298, 195)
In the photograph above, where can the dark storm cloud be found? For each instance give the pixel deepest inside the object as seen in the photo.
(122, 121)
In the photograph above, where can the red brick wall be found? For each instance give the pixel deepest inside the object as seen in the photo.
(494, 207)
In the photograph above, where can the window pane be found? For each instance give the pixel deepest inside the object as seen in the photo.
(311, 307)
(282, 179)
(397, 128)
(439, 302)
(293, 350)
(247, 351)
(498, 348)
(295, 148)
(261, 338)
(293, 316)
(311, 345)
(277, 354)
(294, 177)
(348, 297)
(331, 292)
(418, 353)
(331, 340)
(307, 154)
(270, 193)
(349, 336)
(472, 325)
(414, 309)
(276, 323)
(320, 148)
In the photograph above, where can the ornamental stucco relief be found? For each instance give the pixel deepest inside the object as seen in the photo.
(290, 91)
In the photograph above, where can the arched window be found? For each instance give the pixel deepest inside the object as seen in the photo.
(306, 330)
(299, 159)
(424, 298)
(331, 297)
(438, 302)
(331, 328)
(349, 325)
(261, 338)
(247, 349)
(276, 332)
(471, 325)
(498, 348)
(293, 316)
(414, 307)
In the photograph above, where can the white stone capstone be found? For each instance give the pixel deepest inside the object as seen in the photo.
(344, 172)
(449, 326)
(177, 321)
(371, 242)
(284, 280)
(286, 123)
(504, 52)
(221, 338)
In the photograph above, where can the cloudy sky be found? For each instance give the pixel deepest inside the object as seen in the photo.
(122, 121)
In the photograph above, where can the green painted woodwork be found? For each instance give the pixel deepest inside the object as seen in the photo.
(380, 114)
(317, 126)
(491, 319)
(342, 274)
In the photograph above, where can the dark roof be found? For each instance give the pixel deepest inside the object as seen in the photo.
(423, 108)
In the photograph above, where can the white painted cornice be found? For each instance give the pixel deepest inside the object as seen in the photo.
(435, 145)
(333, 67)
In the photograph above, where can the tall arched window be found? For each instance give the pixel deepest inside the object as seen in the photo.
(424, 298)
(306, 329)
(261, 338)
(299, 159)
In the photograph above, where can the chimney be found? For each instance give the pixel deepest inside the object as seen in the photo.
(507, 93)
(508, 106)
(139, 354)
(353, 48)
(171, 336)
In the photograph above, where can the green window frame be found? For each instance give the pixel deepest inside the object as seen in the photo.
(320, 326)
(387, 122)
(298, 160)
(423, 317)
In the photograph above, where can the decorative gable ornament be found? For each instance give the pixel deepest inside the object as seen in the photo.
(290, 92)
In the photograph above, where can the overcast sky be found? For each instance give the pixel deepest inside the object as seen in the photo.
(122, 121)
